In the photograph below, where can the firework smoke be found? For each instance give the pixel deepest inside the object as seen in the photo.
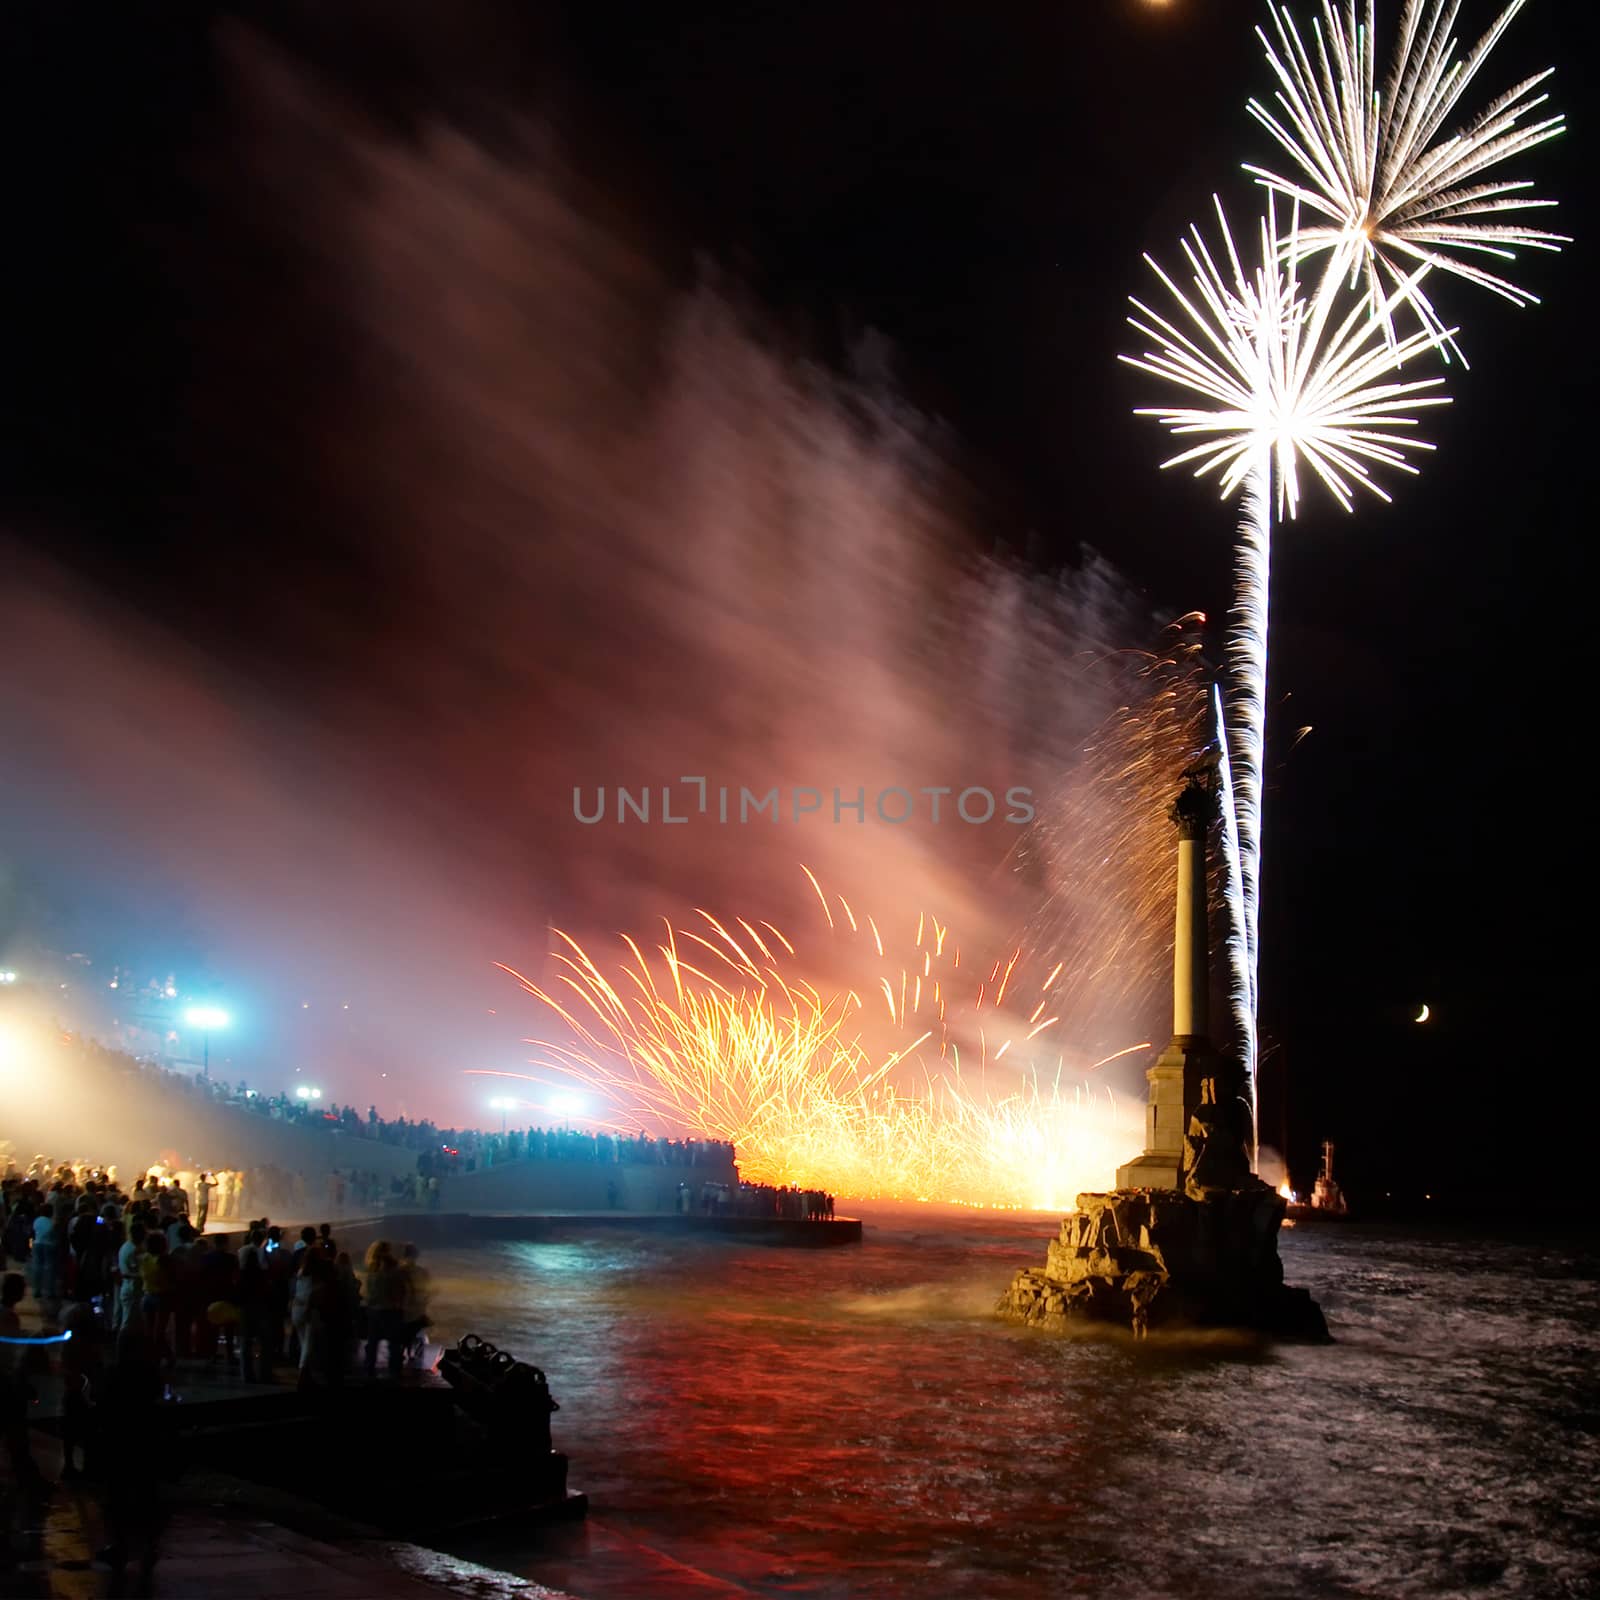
(451, 416)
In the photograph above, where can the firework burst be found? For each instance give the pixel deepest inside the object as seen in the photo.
(862, 1091)
(1289, 379)
(1398, 184)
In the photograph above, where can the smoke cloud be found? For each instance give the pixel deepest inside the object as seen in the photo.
(495, 510)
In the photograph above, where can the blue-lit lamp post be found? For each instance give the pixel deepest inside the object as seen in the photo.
(206, 1018)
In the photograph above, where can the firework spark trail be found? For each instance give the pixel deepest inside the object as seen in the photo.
(1103, 849)
(1398, 192)
(1290, 380)
(813, 1088)
(1245, 737)
(1241, 990)
(1289, 376)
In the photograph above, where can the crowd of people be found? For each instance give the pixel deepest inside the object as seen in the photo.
(233, 1194)
(467, 1151)
(440, 1151)
(140, 1292)
(141, 1258)
(756, 1200)
(274, 1188)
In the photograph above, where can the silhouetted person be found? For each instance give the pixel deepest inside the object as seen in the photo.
(385, 1304)
(82, 1379)
(129, 1422)
(14, 1390)
(256, 1344)
(418, 1290)
(203, 1187)
(315, 1298)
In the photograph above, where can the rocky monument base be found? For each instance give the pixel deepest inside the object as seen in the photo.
(1164, 1258)
(1190, 1236)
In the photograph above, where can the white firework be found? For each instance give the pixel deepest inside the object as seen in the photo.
(1285, 381)
(1400, 185)
(1242, 997)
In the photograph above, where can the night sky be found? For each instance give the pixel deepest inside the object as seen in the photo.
(973, 185)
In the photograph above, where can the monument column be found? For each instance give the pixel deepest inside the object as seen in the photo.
(1191, 974)
(1179, 1070)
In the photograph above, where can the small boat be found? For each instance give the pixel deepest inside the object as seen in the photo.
(1327, 1202)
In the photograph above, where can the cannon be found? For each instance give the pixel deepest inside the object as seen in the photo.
(509, 1398)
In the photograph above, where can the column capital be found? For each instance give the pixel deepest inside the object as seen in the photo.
(1197, 807)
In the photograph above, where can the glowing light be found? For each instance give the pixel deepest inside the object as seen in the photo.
(876, 1083)
(8, 976)
(1285, 1190)
(1291, 380)
(306, 1092)
(713, 1040)
(206, 1017)
(1423, 1014)
(1397, 187)
(1239, 936)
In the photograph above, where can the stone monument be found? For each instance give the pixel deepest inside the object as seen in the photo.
(1190, 1235)
(1179, 1071)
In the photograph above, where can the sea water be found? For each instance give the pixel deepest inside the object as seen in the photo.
(856, 1421)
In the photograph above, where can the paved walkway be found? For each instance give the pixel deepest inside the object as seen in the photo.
(206, 1554)
(210, 1554)
(604, 1563)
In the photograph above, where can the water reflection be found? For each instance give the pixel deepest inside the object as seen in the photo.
(856, 1422)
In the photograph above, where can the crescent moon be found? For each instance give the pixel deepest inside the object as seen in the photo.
(1424, 1014)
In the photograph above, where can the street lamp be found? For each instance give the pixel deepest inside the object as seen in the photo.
(502, 1105)
(566, 1106)
(206, 1018)
(306, 1092)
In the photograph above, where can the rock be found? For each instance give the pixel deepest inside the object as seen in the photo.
(1163, 1257)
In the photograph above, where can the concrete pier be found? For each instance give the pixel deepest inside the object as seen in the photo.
(440, 1229)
